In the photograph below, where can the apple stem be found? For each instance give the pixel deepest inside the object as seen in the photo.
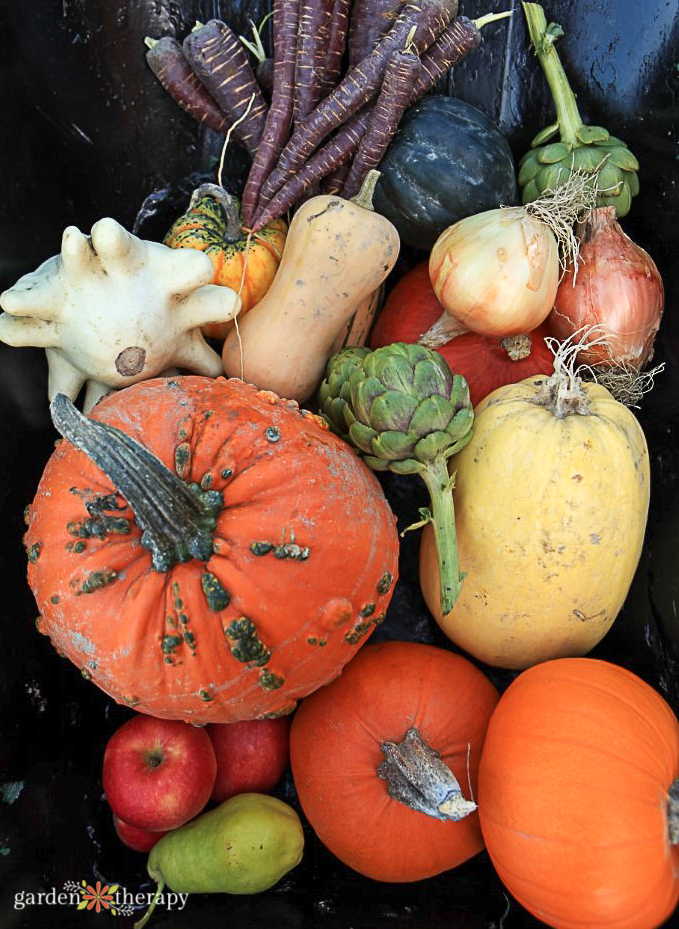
(149, 913)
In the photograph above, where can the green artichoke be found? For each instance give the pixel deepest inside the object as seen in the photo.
(334, 390)
(407, 412)
(588, 148)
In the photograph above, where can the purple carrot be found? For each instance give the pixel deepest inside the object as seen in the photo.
(334, 153)
(279, 117)
(264, 74)
(219, 60)
(370, 20)
(457, 40)
(166, 59)
(339, 26)
(312, 44)
(358, 87)
(402, 73)
(334, 183)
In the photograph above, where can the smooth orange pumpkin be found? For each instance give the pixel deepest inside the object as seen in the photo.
(212, 224)
(486, 364)
(576, 771)
(238, 571)
(336, 752)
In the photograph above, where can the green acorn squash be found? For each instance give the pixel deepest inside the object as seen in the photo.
(447, 161)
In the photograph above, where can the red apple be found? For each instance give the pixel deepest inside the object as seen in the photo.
(158, 773)
(140, 840)
(251, 755)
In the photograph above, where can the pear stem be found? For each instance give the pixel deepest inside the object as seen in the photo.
(149, 913)
(543, 38)
(440, 487)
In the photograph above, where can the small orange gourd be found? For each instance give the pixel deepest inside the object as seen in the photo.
(396, 708)
(579, 796)
(212, 555)
(212, 224)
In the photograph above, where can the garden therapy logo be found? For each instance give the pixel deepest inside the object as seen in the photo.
(96, 897)
(101, 898)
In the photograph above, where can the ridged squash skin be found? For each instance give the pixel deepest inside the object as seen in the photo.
(550, 516)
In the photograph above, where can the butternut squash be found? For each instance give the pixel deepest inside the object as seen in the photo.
(336, 254)
(551, 502)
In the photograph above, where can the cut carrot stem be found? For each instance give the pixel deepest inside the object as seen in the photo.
(401, 75)
(279, 117)
(358, 86)
(454, 44)
(218, 58)
(334, 153)
(166, 59)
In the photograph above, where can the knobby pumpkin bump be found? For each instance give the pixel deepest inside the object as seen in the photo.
(212, 555)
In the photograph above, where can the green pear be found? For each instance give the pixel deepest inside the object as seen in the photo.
(243, 846)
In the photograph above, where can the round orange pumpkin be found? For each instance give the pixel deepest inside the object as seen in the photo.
(580, 759)
(212, 224)
(235, 572)
(346, 784)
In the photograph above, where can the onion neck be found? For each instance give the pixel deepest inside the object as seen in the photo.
(177, 519)
(673, 812)
(417, 777)
(543, 38)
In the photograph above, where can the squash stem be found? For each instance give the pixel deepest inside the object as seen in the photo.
(417, 777)
(439, 484)
(543, 38)
(177, 519)
(673, 812)
(228, 204)
(364, 197)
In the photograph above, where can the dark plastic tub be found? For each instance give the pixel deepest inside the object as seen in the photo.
(87, 133)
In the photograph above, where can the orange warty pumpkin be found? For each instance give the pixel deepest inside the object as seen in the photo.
(579, 797)
(212, 225)
(234, 573)
(393, 701)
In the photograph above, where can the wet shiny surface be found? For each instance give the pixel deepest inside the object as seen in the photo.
(88, 132)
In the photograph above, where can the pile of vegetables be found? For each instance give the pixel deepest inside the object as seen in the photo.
(204, 549)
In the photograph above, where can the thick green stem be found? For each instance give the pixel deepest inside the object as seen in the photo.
(177, 519)
(417, 777)
(673, 812)
(435, 476)
(228, 204)
(543, 39)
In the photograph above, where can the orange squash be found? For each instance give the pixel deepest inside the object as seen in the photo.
(221, 580)
(212, 224)
(579, 796)
(355, 799)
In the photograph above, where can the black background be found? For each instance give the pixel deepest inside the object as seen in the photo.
(87, 132)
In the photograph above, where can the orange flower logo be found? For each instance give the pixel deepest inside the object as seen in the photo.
(98, 898)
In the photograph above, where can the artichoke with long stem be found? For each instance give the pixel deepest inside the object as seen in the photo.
(406, 412)
(587, 148)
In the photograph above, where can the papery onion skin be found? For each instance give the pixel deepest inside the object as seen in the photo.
(497, 272)
(618, 289)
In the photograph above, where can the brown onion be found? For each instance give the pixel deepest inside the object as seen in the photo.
(617, 289)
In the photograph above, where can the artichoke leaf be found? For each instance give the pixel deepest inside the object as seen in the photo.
(393, 410)
(544, 135)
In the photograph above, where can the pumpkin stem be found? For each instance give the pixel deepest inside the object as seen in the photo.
(177, 519)
(673, 812)
(417, 777)
(517, 347)
(228, 204)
